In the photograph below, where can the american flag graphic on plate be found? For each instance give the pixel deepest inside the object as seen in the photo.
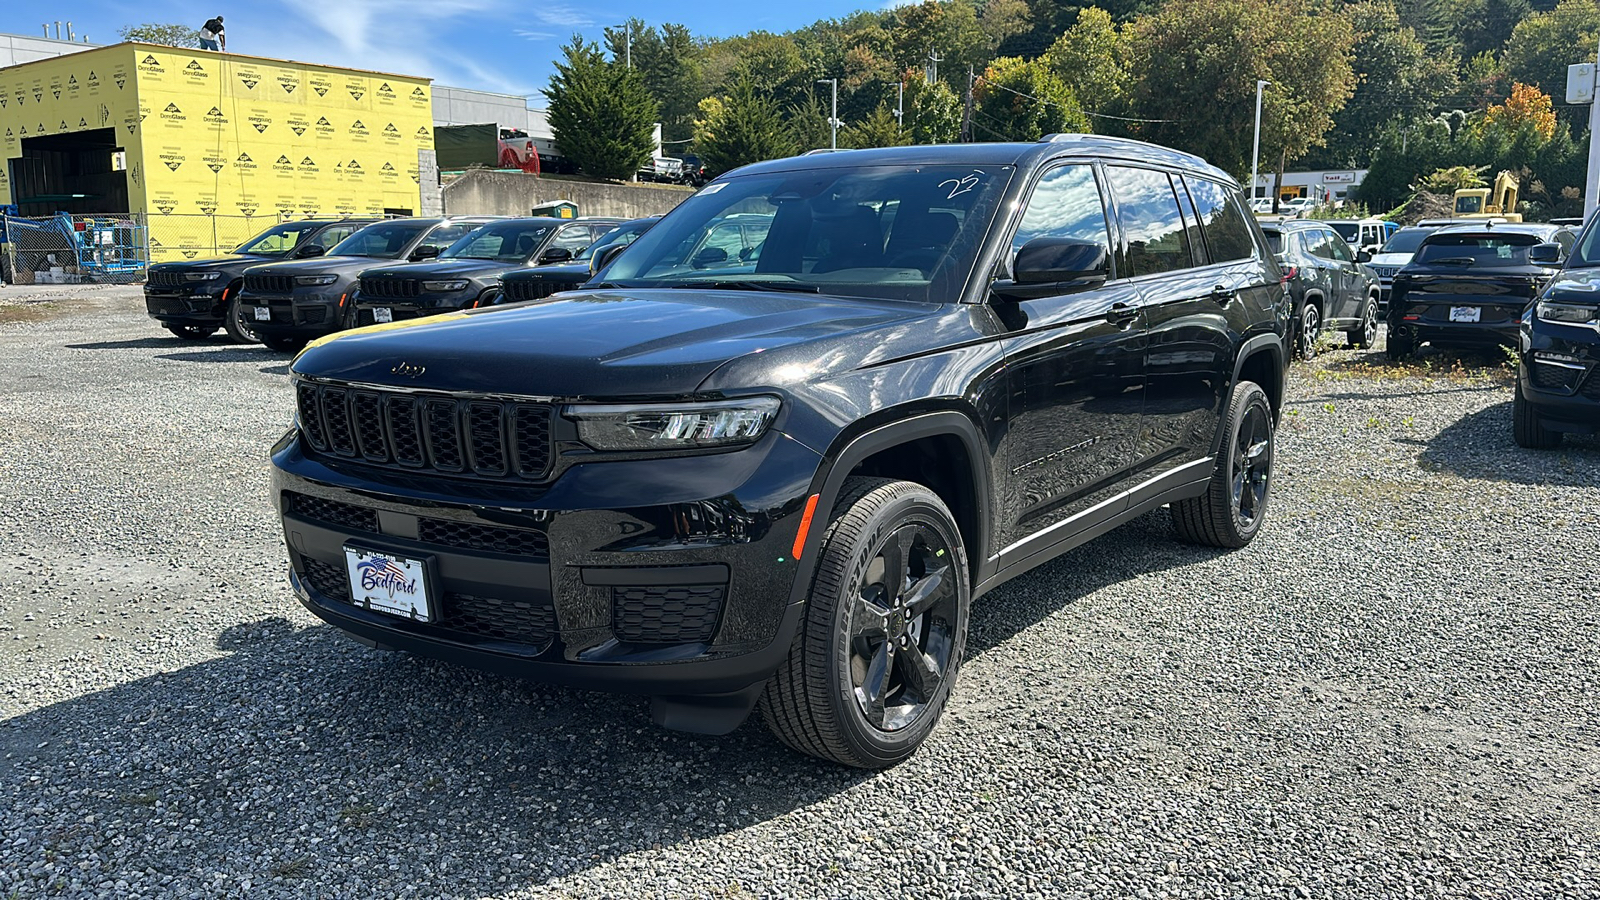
(388, 583)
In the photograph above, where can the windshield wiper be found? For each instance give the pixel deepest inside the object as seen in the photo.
(787, 287)
(1453, 261)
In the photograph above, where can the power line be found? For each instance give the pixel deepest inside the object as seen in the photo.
(1079, 109)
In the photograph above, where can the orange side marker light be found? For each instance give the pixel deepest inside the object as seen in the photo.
(805, 524)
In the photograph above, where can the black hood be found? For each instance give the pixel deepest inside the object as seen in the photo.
(613, 343)
(215, 263)
(575, 273)
(444, 268)
(320, 265)
(1575, 286)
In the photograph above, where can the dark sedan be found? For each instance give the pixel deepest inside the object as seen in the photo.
(542, 281)
(1468, 285)
(289, 303)
(467, 274)
(193, 298)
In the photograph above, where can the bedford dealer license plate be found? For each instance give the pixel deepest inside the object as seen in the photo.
(383, 314)
(1465, 313)
(263, 314)
(388, 583)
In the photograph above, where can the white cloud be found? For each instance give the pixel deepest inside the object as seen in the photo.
(535, 35)
(561, 14)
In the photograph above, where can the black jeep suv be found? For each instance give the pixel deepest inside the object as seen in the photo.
(467, 273)
(786, 478)
(193, 298)
(1558, 372)
(1328, 283)
(288, 303)
(1468, 285)
(540, 282)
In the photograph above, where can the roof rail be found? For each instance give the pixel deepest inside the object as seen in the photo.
(1069, 136)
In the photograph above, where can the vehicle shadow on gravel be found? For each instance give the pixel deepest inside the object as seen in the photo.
(1480, 446)
(144, 343)
(301, 759)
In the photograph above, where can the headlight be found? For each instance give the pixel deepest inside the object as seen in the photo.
(674, 426)
(201, 276)
(1566, 313)
(436, 287)
(315, 279)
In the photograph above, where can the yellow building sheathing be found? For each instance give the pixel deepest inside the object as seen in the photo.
(240, 140)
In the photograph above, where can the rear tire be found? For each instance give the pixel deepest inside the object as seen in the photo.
(1528, 428)
(1230, 512)
(1310, 330)
(238, 328)
(1365, 335)
(191, 332)
(1400, 346)
(884, 629)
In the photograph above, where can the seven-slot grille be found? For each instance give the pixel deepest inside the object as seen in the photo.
(164, 279)
(390, 288)
(269, 284)
(441, 433)
(527, 289)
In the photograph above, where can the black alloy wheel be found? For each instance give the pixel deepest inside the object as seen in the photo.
(1310, 330)
(1365, 335)
(191, 332)
(885, 628)
(238, 327)
(1231, 511)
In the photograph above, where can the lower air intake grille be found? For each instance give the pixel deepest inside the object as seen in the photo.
(483, 537)
(678, 614)
(1554, 378)
(333, 512)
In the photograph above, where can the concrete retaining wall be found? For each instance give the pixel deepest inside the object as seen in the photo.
(484, 193)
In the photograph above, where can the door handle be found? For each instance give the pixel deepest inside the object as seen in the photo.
(1122, 314)
(1222, 295)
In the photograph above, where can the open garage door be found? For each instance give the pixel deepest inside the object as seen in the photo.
(75, 173)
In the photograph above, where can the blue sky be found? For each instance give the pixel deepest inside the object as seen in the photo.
(486, 44)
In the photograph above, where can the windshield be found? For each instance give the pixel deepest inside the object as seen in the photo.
(1406, 240)
(1587, 252)
(622, 234)
(893, 232)
(1498, 251)
(505, 241)
(385, 240)
(280, 239)
(1347, 230)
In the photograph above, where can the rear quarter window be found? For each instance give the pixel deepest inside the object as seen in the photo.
(1222, 220)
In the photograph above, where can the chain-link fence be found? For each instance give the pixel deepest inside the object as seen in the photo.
(73, 249)
(177, 237)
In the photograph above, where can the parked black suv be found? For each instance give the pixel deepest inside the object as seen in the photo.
(542, 281)
(1468, 286)
(1558, 372)
(1328, 283)
(288, 303)
(467, 273)
(193, 298)
(786, 478)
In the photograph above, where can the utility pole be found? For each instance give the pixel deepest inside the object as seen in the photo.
(627, 42)
(833, 119)
(1581, 89)
(966, 111)
(900, 105)
(933, 65)
(1255, 149)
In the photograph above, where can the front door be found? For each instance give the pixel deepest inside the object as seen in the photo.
(1075, 378)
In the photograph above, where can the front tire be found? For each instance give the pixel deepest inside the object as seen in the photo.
(238, 328)
(884, 632)
(1526, 426)
(1230, 512)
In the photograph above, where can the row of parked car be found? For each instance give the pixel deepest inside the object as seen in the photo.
(300, 280)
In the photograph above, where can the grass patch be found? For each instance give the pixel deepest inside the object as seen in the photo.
(27, 312)
(292, 868)
(146, 798)
(358, 815)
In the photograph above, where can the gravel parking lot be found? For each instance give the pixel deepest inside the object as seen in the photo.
(1391, 693)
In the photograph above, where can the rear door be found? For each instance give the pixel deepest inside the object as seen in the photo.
(1349, 293)
(1075, 377)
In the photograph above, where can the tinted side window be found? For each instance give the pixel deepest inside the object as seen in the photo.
(1340, 249)
(1320, 243)
(1065, 204)
(1191, 224)
(1226, 228)
(445, 235)
(1148, 213)
(573, 238)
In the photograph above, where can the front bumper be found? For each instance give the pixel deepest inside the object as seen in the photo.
(411, 307)
(1560, 376)
(666, 577)
(185, 306)
(309, 314)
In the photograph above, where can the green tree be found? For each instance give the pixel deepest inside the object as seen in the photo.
(741, 128)
(933, 111)
(1544, 44)
(880, 129)
(1022, 100)
(1091, 58)
(668, 62)
(601, 115)
(808, 123)
(1195, 64)
(169, 34)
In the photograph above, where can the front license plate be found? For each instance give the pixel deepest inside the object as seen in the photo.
(263, 314)
(1465, 313)
(389, 583)
(383, 314)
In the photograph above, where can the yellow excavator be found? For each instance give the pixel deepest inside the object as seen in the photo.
(1499, 202)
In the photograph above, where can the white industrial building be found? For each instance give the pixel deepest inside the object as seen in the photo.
(1328, 185)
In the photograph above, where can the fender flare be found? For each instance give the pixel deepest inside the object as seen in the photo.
(849, 452)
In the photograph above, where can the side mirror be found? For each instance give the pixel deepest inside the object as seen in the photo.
(310, 250)
(555, 255)
(710, 256)
(424, 252)
(604, 257)
(1363, 256)
(1048, 267)
(1545, 254)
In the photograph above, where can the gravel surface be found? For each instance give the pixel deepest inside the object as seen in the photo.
(1391, 693)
